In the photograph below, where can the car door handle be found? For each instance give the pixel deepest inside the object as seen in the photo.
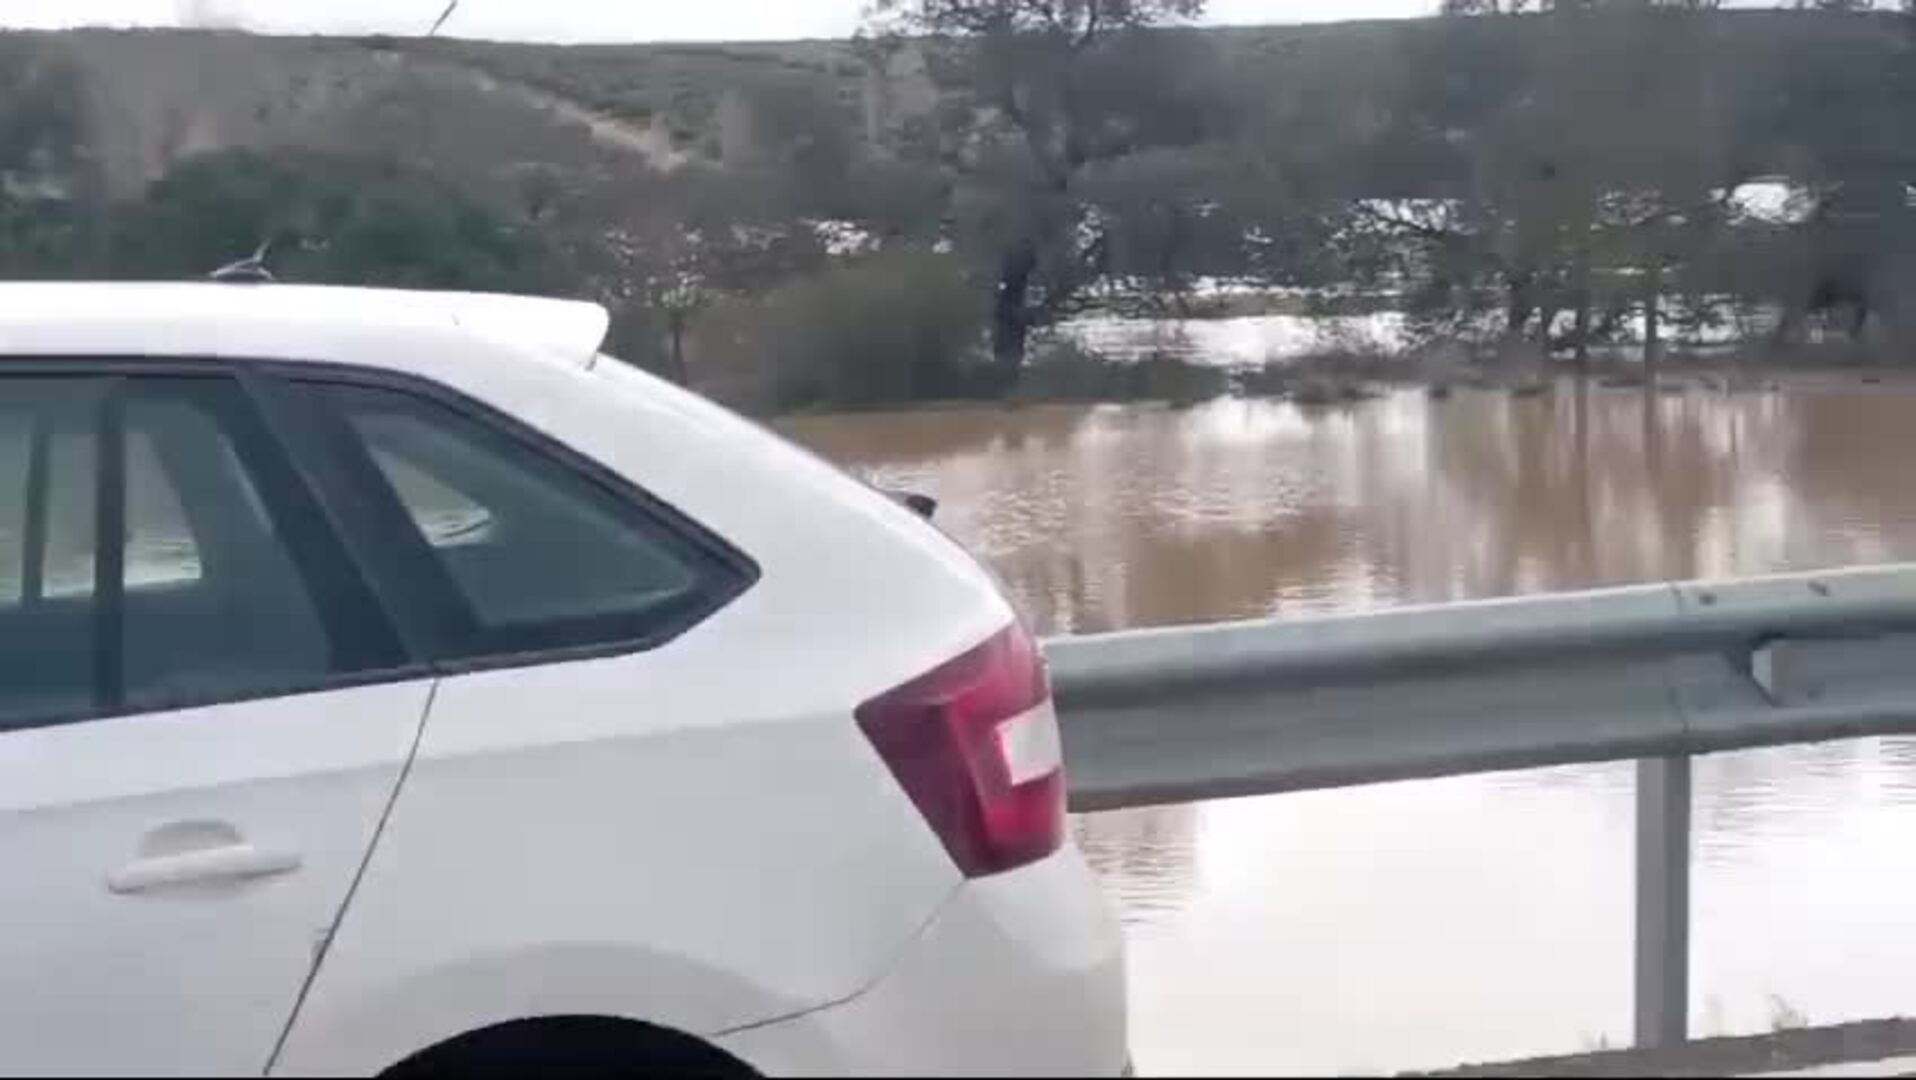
(231, 862)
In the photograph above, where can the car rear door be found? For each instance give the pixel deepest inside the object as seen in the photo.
(204, 714)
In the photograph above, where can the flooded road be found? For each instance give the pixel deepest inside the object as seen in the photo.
(1425, 923)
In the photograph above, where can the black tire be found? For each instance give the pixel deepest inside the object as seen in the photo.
(571, 1044)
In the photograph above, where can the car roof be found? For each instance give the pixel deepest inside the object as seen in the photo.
(277, 321)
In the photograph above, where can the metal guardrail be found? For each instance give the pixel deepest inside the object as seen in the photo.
(1657, 673)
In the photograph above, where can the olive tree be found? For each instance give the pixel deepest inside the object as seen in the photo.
(1037, 92)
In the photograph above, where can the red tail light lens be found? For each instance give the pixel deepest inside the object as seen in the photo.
(974, 743)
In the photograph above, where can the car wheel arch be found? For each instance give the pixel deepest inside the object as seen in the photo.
(566, 1043)
(349, 1027)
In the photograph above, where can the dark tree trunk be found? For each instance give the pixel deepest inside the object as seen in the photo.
(1652, 319)
(1010, 316)
(1520, 305)
(1009, 332)
(1580, 335)
(1546, 324)
(1580, 331)
(675, 321)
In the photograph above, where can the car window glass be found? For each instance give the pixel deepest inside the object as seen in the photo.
(540, 555)
(16, 433)
(160, 550)
(66, 565)
(444, 516)
(48, 443)
(223, 585)
(215, 603)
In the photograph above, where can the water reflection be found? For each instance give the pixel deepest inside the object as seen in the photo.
(1147, 857)
(1419, 924)
(1246, 340)
(1103, 517)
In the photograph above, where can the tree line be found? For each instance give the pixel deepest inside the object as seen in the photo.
(1533, 180)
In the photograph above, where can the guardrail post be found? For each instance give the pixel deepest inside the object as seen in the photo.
(1663, 901)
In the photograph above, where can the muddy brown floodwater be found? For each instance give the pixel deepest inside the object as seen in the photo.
(1419, 924)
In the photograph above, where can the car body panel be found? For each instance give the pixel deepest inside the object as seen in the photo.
(315, 322)
(624, 875)
(625, 775)
(198, 979)
(1021, 974)
(694, 834)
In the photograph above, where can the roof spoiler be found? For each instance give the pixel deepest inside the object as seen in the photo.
(922, 505)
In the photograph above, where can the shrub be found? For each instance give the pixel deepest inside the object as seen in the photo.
(898, 326)
(332, 219)
(640, 335)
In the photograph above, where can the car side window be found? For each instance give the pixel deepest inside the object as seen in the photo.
(16, 437)
(48, 627)
(536, 554)
(63, 564)
(215, 602)
(160, 552)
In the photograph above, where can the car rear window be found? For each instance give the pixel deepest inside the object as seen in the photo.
(536, 552)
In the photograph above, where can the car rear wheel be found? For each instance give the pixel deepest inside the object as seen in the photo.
(572, 1045)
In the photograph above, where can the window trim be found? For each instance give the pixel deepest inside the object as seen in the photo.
(427, 601)
(353, 596)
(109, 546)
(33, 537)
(358, 629)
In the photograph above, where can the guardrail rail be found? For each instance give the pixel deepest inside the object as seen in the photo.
(1658, 673)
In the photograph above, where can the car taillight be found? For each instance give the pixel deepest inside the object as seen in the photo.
(974, 742)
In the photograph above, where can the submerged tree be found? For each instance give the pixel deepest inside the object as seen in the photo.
(1039, 91)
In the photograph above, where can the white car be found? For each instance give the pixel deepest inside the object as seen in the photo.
(452, 696)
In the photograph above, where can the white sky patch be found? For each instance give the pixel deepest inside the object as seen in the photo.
(584, 20)
(598, 20)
